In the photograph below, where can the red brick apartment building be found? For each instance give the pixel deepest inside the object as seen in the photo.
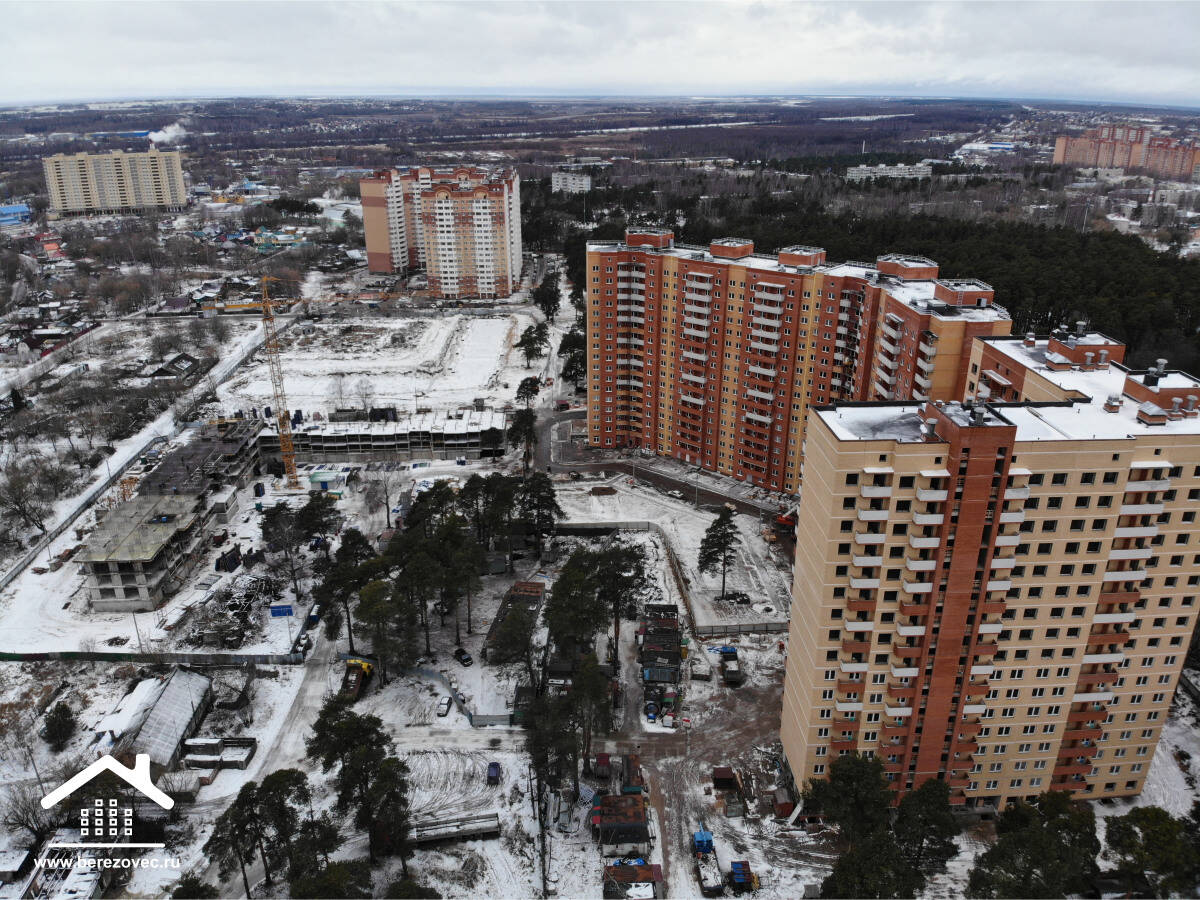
(461, 225)
(1129, 147)
(713, 355)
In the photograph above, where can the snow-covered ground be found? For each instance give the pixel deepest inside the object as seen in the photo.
(755, 573)
(440, 362)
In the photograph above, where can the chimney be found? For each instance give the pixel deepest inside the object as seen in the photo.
(1087, 359)
(1190, 409)
(978, 414)
(1103, 357)
(1030, 339)
(931, 430)
(1162, 366)
(1080, 326)
(1175, 412)
(1113, 403)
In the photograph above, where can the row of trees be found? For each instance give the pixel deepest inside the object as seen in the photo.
(1048, 848)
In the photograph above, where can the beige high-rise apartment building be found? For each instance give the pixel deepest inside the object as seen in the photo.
(999, 594)
(115, 182)
(462, 225)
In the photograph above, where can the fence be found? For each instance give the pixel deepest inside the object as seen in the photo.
(192, 659)
(681, 581)
(477, 720)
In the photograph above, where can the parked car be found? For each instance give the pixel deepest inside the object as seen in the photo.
(562, 405)
(463, 657)
(493, 773)
(443, 707)
(678, 495)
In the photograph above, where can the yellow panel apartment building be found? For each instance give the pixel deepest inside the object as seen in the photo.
(115, 182)
(999, 594)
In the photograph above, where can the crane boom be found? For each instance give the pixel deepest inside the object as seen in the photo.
(287, 449)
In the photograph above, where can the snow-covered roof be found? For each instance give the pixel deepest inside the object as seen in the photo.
(132, 709)
(173, 712)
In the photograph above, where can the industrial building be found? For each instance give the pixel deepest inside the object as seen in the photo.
(115, 182)
(461, 225)
(1043, 654)
(1130, 147)
(713, 355)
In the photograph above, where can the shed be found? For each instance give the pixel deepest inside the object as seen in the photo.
(174, 717)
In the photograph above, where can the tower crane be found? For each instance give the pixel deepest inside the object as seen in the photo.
(287, 449)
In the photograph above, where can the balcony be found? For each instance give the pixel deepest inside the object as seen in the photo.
(869, 537)
(1016, 493)
(929, 518)
(920, 565)
(924, 365)
(992, 607)
(755, 417)
(759, 395)
(1073, 768)
(859, 605)
(696, 333)
(857, 626)
(1130, 553)
(875, 490)
(1080, 716)
(872, 515)
(1141, 509)
(1093, 697)
(914, 607)
(1146, 485)
(1136, 531)
(911, 630)
(924, 543)
(1084, 733)
(849, 645)
(990, 627)
(1003, 562)
(1105, 638)
(922, 381)
(867, 562)
(850, 685)
(1124, 575)
(969, 729)
(893, 731)
(1007, 540)
(1012, 518)
(761, 370)
(897, 712)
(918, 587)
(927, 349)
(974, 709)
(1002, 584)
(849, 668)
(1118, 618)
(838, 746)
(842, 724)
(958, 781)
(902, 692)
(847, 706)
(1095, 659)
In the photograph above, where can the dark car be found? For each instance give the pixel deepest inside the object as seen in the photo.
(493, 773)
(463, 657)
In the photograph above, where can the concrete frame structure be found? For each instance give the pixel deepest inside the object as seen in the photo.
(142, 551)
(462, 225)
(1129, 147)
(115, 182)
(1000, 595)
(713, 355)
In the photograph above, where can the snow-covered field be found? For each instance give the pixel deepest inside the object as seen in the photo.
(440, 363)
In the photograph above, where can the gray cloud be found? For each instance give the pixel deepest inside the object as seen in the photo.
(1142, 51)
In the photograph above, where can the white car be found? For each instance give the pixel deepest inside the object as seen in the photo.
(443, 707)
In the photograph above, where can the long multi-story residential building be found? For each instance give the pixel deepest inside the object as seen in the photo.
(999, 592)
(713, 355)
(115, 182)
(1129, 147)
(570, 182)
(901, 171)
(461, 225)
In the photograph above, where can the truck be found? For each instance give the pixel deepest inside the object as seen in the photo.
(708, 870)
(742, 877)
(355, 677)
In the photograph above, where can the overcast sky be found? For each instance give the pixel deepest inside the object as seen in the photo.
(1145, 52)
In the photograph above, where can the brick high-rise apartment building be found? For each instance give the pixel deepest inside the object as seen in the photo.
(116, 182)
(1129, 147)
(999, 594)
(712, 355)
(462, 225)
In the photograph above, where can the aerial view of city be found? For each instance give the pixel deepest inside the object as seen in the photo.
(599, 449)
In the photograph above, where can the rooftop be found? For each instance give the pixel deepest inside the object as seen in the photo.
(138, 529)
(919, 294)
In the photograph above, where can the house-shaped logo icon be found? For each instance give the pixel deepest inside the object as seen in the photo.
(138, 777)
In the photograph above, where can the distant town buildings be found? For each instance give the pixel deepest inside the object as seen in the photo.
(462, 225)
(866, 173)
(570, 182)
(999, 592)
(1130, 147)
(713, 355)
(115, 182)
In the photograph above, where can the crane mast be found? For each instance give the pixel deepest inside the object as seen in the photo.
(287, 449)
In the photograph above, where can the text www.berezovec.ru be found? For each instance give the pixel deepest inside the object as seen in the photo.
(93, 862)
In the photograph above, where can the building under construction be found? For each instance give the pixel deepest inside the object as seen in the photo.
(224, 454)
(143, 549)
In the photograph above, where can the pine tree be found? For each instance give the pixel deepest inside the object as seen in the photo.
(718, 548)
(60, 726)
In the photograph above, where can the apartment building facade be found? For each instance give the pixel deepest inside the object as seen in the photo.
(1129, 147)
(570, 182)
(713, 355)
(999, 594)
(115, 182)
(899, 171)
(461, 225)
